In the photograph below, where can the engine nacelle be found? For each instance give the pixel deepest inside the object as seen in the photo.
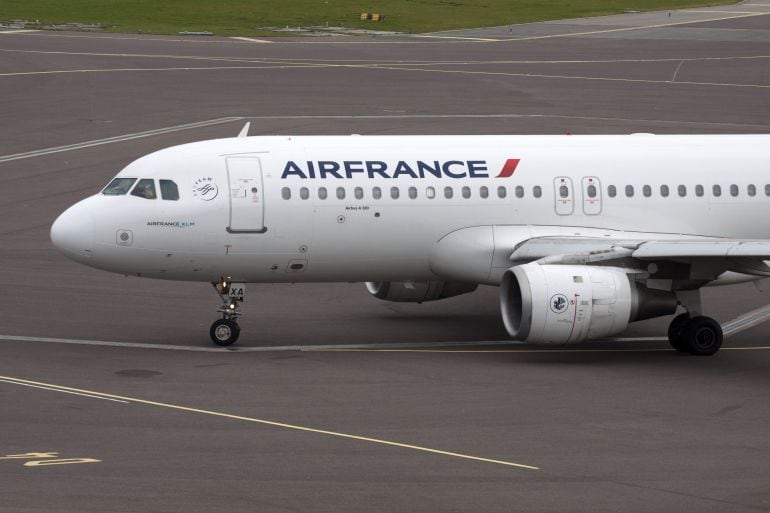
(417, 291)
(571, 303)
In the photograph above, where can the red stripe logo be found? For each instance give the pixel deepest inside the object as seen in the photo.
(508, 168)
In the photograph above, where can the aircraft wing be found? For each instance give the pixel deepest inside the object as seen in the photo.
(704, 259)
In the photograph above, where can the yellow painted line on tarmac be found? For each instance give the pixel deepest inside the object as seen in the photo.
(390, 68)
(60, 388)
(375, 62)
(137, 70)
(267, 63)
(567, 77)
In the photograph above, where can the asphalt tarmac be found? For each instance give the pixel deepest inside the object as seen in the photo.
(112, 398)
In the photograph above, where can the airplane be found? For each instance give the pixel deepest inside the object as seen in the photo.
(583, 234)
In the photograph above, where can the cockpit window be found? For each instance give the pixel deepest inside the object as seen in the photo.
(118, 187)
(145, 189)
(169, 190)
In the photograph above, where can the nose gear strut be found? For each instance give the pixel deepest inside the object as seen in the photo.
(225, 331)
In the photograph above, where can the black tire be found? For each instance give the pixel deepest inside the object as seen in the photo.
(676, 333)
(224, 332)
(703, 336)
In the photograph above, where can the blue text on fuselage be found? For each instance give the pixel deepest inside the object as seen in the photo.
(380, 169)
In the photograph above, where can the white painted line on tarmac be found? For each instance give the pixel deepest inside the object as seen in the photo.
(251, 39)
(628, 29)
(493, 116)
(722, 12)
(20, 31)
(52, 389)
(117, 138)
(460, 38)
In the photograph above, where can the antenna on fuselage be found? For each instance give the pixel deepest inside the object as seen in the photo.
(245, 130)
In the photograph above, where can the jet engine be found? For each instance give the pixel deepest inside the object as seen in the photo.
(417, 291)
(572, 303)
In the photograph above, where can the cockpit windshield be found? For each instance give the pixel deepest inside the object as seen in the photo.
(118, 187)
(145, 189)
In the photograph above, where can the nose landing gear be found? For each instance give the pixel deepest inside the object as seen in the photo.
(225, 331)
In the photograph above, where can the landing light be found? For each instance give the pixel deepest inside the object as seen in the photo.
(224, 285)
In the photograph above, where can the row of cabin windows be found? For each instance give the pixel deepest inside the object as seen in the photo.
(144, 188)
(681, 190)
(519, 192)
(411, 192)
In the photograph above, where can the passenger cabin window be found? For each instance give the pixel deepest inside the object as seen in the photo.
(519, 191)
(322, 193)
(699, 190)
(413, 192)
(394, 192)
(466, 192)
(612, 191)
(358, 192)
(537, 191)
(563, 191)
(304, 193)
(752, 190)
(448, 192)
(484, 191)
(591, 191)
(118, 187)
(716, 191)
(733, 190)
(169, 190)
(340, 193)
(664, 191)
(286, 193)
(430, 192)
(767, 189)
(501, 192)
(682, 191)
(376, 193)
(145, 189)
(647, 191)
(630, 191)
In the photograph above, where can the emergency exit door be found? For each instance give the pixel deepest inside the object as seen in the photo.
(592, 196)
(563, 195)
(247, 207)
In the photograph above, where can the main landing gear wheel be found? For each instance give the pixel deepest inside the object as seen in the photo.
(703, 336)
(224, 332)
(676, 332)
(700, 336)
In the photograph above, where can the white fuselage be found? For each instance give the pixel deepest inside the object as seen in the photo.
(254, 208)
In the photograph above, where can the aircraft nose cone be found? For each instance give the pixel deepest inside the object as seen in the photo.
(73, 233)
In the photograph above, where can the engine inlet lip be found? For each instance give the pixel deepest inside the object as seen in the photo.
(516, 304)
